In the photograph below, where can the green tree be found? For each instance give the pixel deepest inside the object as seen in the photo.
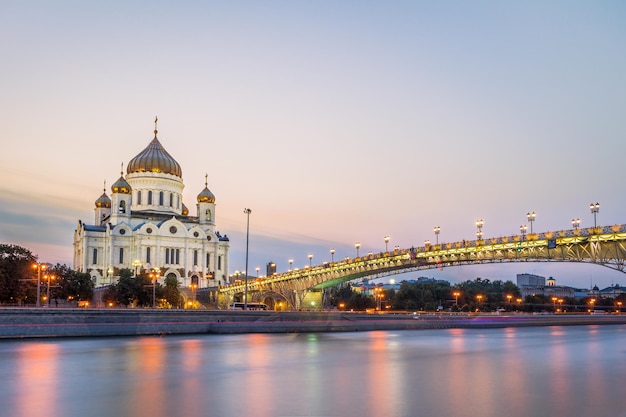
(18, 282)
(171, 292)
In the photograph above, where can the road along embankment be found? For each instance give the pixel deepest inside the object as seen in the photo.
(18, 323)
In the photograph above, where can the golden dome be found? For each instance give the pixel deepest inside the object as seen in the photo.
(121, 186)
(154, 158)
(103, 201)
(185, 211)
(206, 196)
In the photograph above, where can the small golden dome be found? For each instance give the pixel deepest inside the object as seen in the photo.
(206, 196)
(121, 186)
(185, 211)
(104, 201)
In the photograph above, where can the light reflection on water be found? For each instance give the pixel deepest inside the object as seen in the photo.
(517, 372)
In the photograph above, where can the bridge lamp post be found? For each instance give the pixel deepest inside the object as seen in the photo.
(522, 230)
(426, 243)
(595, 208)
(575, 223)
(257, 271)
(247, 212)
(39, 267)
(387, 239)
(310, 260)
(479, 226)
(436, 229)
(357, 245)
(290, 264)
(531, 219)
(332, 255)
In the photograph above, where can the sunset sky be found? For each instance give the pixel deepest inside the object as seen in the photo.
(333, 121)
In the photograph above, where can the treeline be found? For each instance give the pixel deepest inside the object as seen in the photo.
(57, 283)
(469, 296)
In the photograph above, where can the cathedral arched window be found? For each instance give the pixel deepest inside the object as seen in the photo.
(122, 206)
(167, 255)
(208, 214)
(138, 197)
(161, 198)
(149, 197)
(121, 255)
(95, 256)
(147, 255)
(195, 257)
(171, 200)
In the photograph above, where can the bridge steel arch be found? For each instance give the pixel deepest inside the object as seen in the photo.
(604, 246)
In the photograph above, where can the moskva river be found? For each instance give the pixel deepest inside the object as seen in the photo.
(516, 372)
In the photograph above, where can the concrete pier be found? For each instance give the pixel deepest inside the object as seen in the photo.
(18, 323)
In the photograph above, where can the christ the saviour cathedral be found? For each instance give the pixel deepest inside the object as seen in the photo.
(144, 226)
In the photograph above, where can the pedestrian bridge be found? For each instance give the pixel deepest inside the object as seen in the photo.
(604, 246)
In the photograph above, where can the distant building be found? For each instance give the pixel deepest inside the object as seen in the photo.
(144, 225)
(530, 284)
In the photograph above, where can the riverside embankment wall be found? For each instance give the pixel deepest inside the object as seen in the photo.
(18, 323)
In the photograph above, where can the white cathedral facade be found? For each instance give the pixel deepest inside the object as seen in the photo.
(144, 226)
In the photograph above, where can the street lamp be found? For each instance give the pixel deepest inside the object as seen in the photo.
(310, 260)
(456, 297)
(479, 226)
(357, 245)
(193, 294)
(247, 212)
(595, 208)
(619, 307)
(386, 239)
(531, 219)
(436, 229)
(332, 255)
(156, 272)
(522, 230)
(575, 223)
(39, 267)
(137, 264)
(427, 243)
(479, 297)
(49, 277)
(290, 263)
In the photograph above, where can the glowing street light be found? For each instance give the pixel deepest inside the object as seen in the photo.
(137, 265)
(290, 263)
(386, 239)
(332, 255)
(357, 245)
(456, 297)
(522, 230)
(575, 223)
(479, 226)
(595, 208)
(436, 229)
(247, 212)
(49, 277)
(531, 219)
(156, 273)
(310, 260)
(39, 267)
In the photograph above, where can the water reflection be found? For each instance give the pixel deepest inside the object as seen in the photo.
(556, 371)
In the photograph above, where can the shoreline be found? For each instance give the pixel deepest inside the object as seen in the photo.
(21, 323)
